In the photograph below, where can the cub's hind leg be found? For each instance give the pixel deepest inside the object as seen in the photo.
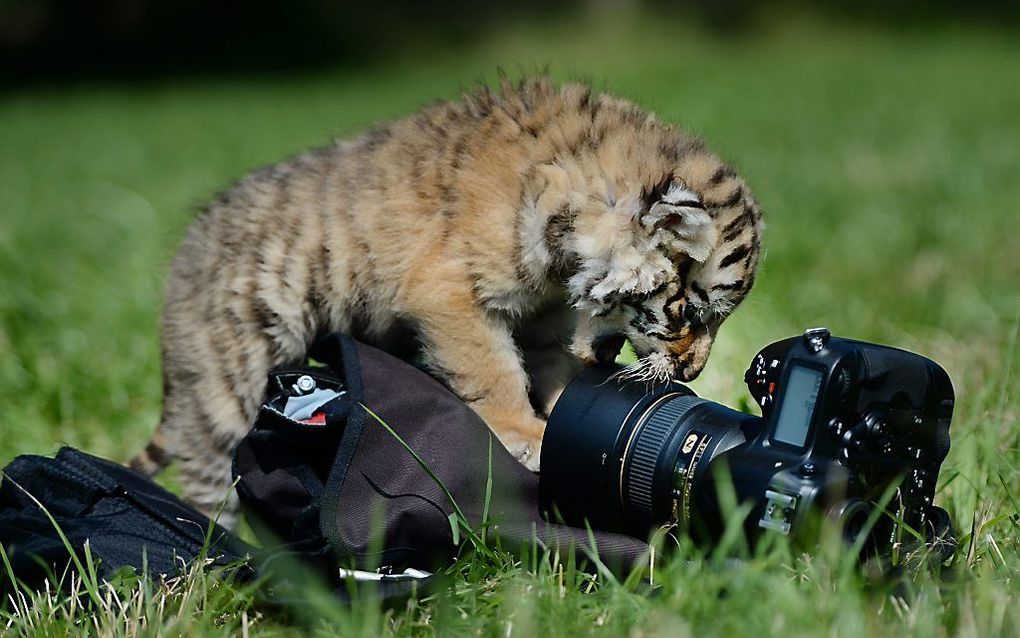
(203, 457)
(215, 366)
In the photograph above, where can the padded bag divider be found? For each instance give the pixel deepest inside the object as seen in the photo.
(377, 506)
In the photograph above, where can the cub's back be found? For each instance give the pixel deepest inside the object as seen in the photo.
(359, 216)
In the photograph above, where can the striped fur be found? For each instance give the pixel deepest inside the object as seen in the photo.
(510, 232)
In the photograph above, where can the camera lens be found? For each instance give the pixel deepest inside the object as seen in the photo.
(628, 456)
(648, 444)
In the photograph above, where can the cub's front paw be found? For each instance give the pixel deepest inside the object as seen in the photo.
(527, 451)
(519, 432)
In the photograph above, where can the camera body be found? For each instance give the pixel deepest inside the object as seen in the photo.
(843, 423)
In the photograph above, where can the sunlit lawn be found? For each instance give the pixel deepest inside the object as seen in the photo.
(887, 165)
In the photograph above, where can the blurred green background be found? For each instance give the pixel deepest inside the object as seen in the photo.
(883, 142)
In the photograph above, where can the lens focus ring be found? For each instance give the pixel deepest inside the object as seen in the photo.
(646, 447)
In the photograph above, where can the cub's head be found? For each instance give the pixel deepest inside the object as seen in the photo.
(663, 264)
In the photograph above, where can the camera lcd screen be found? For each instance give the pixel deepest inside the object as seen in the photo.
(798, 406)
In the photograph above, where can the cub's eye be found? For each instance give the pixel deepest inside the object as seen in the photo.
(682, 197)
(691, 315)
(690, 203)
(697, 317)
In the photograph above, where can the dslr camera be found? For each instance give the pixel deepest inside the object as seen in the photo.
(847, 427)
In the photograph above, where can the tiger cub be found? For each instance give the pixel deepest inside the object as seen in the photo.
(517, 233)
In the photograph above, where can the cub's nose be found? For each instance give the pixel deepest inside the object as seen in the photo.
(690, 371)
(690, 354)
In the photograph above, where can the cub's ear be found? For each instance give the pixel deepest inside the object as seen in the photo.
(678, 220)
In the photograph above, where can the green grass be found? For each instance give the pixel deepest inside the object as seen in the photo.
(887, 167)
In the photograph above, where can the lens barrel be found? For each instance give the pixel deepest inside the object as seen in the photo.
(650, 443)
(624, 456)
(584, 440)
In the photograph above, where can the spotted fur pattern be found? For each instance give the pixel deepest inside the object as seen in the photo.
(512, 234)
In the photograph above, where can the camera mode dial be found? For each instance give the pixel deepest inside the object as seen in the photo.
(762, 379)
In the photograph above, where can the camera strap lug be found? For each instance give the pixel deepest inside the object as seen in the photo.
(778, 513)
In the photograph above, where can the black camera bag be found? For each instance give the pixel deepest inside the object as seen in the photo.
(348, 491)
(127, 520)
(341, 494)
(51, 507)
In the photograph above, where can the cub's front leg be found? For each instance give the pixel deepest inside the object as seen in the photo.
(544, 342)
(550, 370)
(477, 355)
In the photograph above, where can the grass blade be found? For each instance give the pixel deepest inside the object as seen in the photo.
(88, 576)
(458, 514)
(488, 492)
